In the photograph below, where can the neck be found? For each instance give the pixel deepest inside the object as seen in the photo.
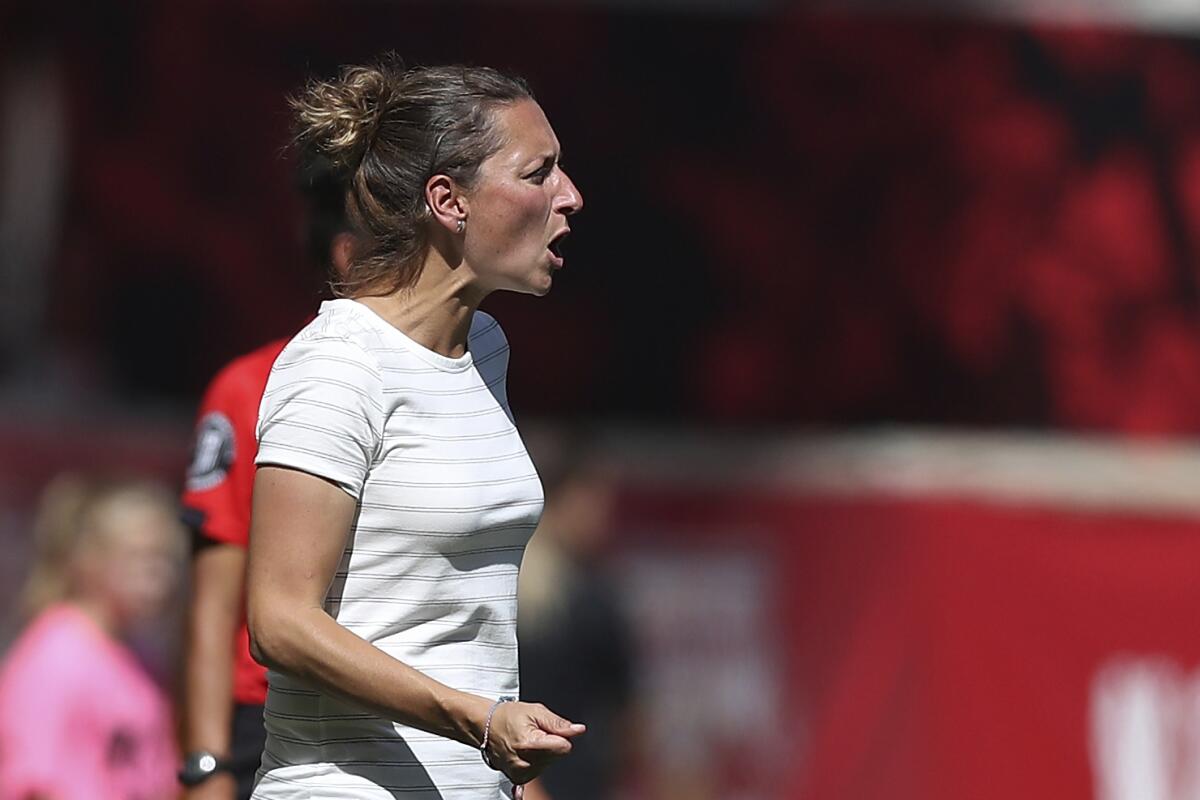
(98, 613)
(436, 311)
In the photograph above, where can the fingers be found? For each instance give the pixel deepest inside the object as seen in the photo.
(527, 736)
(549, 735)
(537, 745)
(550, 722)
(520, 771)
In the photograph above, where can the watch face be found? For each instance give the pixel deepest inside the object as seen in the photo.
(197, 767)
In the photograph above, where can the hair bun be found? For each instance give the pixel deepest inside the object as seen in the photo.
(340, 117)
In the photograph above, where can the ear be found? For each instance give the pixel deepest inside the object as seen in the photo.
(341, 252)
(446, 201)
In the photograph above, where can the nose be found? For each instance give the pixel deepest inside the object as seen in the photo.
(570, 199)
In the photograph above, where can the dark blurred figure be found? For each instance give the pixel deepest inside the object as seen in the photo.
(225, 689)
(576, 647)
(80, 718)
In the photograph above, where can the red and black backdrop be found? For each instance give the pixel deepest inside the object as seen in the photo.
(790, 218)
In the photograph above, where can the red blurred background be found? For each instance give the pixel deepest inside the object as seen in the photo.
(792, 218)
(796, 222)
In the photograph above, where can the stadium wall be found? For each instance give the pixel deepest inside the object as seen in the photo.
(891, 614)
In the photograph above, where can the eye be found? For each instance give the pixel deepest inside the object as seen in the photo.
(543, 171)
(539, 176)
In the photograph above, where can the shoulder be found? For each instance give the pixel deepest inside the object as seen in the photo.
(339, 339)
(484, 325)
(257, 363)
(486, 339)
(342, 326)
(54, 646)
(246, 374)
(329, 369)
(225, 421)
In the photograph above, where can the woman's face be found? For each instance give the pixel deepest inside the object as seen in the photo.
(135, 561)
(517, 210)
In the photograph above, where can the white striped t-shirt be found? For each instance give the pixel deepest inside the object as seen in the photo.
(447, 500)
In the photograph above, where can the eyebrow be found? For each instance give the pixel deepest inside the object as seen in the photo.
(550, 159)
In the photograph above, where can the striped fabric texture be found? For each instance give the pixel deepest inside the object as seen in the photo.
(448, 498)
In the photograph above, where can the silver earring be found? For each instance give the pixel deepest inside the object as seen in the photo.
(462, 225)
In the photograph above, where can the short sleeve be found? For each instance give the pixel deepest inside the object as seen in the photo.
(322, 411)
(216, 496)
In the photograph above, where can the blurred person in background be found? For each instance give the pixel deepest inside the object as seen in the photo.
(577, 650)
(224, 688)
(79, 716)
(394, 496)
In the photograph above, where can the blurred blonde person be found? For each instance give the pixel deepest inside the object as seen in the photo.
(79, 717)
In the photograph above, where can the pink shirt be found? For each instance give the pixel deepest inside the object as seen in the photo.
(79, 718)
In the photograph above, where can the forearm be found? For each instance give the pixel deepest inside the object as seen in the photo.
(208, 688)
(214, 614)
(310, 645)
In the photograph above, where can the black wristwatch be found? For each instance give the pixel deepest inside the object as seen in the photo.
(200, 766)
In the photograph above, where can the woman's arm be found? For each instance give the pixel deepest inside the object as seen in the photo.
(298, 532)
(213, 617)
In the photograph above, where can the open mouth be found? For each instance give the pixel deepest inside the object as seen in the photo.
(556, 247)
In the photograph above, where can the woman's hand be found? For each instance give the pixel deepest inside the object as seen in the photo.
(525, 737)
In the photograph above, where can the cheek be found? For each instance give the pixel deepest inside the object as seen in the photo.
(520, 213)
(144, 579)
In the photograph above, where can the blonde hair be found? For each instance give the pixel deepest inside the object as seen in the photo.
(70, 518)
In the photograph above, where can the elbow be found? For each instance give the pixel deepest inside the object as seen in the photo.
(271, 636)
(260, 649)
(262, 645)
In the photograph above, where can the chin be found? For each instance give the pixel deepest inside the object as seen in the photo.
(536, 281)
(537, 290)
(539, 285)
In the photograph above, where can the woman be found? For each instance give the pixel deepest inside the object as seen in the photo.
(394, 497)
(79, 717)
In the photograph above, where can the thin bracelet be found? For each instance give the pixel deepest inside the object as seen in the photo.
(487, 728)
